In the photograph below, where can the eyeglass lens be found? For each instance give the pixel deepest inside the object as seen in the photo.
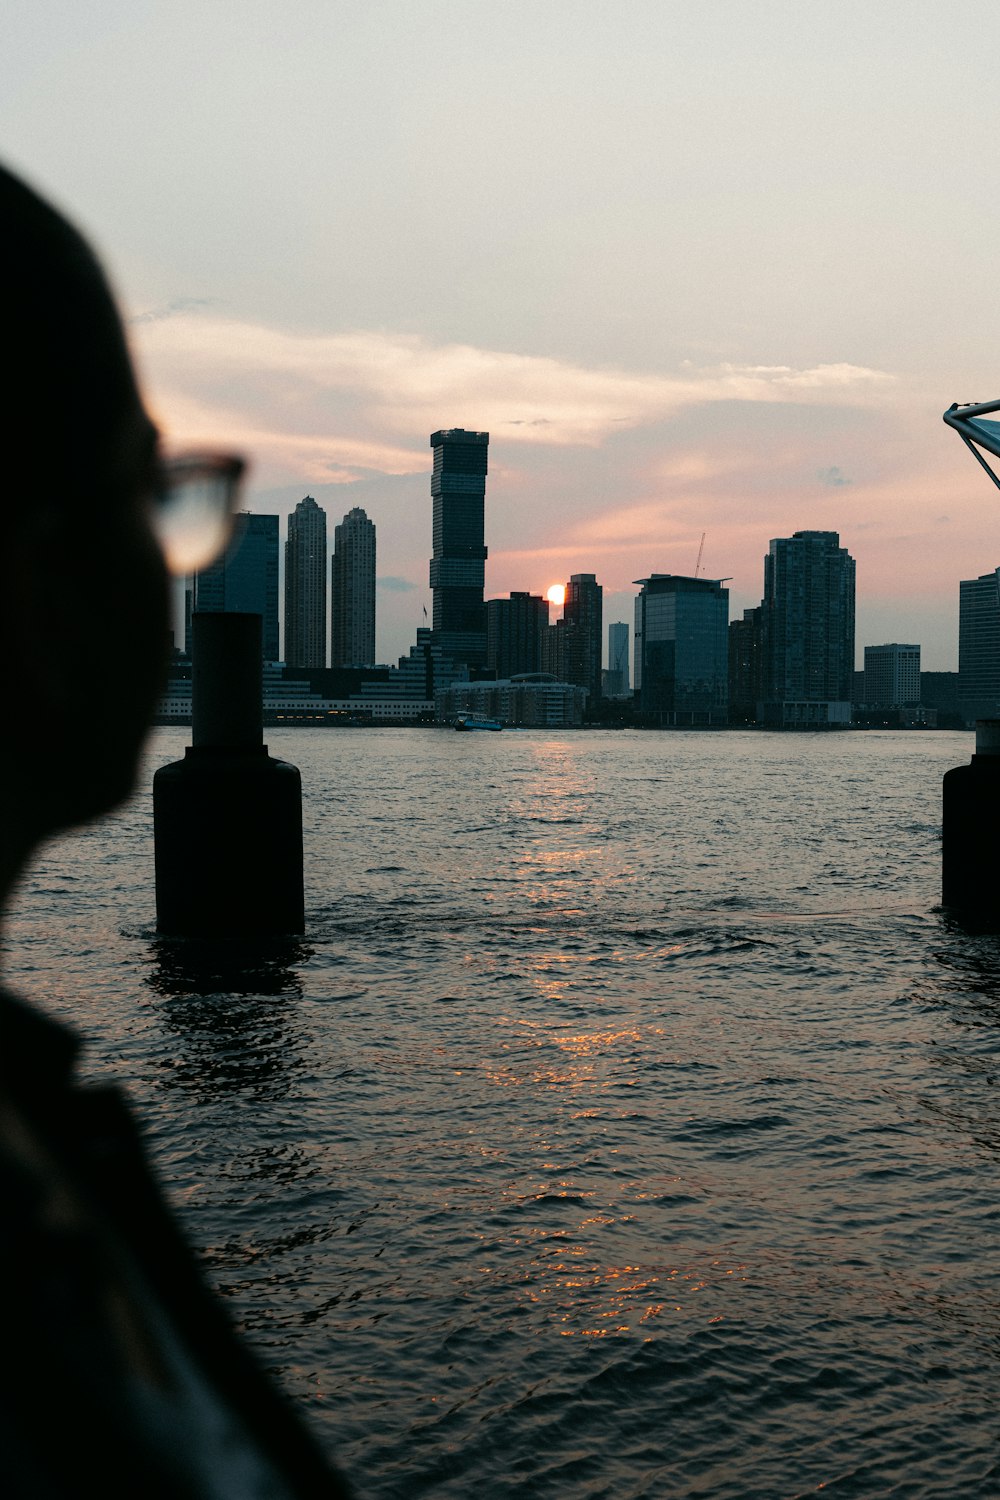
(193, 515)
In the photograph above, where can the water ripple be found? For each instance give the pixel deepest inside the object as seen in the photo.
(627, 1126)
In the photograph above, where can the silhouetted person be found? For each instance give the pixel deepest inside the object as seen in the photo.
(119, 1372)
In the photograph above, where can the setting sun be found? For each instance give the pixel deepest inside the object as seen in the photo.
(557, 595)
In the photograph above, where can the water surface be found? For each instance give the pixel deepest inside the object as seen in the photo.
(625, 1125)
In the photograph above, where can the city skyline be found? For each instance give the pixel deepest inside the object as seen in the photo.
(699, 346)
(357, 518)
(790, 661)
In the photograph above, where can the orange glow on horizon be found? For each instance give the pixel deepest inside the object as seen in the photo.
(556, 594)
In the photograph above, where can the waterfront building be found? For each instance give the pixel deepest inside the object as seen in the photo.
(681, 650)
(746, 667)
(892, 676)
(514, 630)
(243, 580)
(582, 634)
(618, 664)
(424, 671)
(352, 592)
(295, 703)
(553, 649)
(527, 700)
(384, 695)
(939, 690)
(458, 564)
(807, 631)
(979, 646)
(305, 586)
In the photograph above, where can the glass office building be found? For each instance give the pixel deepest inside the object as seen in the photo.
(458, 564)
(682, 650)
(979, 647)
(244, 580)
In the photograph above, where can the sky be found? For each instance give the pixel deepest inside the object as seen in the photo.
(697, 269)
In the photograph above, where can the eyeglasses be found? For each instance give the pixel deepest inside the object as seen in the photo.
(194, 498)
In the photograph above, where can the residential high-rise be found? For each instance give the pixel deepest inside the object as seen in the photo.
(979, 647)
(746, 667)
(458, 566)
(352, 592)
(807, 630)
(243, 580)
(583, 633)
(514, 630)
(681, 650)
(554, 650)
(616, 679)
(892, 676)
(305, 586)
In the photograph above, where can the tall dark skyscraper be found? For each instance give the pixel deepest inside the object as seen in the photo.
(682, 650)
(458, 566)
(807, 624)
(244, 580)
(746, 667)
(979, 646)
(305, 586)
(618, 663)
(583, 633)
(514, 629)
(352, 592)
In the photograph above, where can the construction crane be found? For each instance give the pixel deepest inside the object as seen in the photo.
(701, 548)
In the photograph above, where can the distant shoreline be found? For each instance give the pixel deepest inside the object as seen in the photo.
(320, 722)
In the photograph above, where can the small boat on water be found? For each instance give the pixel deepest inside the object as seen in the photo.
(476, 721)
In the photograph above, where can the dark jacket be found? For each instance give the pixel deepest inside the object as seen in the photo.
(120, 1372)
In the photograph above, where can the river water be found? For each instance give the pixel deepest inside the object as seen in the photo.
(626, 1124)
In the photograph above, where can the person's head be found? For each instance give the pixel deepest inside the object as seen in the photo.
(83, 599)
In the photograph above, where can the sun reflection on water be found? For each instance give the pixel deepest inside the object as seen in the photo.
(595, 1301)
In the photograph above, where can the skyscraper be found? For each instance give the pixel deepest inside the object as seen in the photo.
(352, 592)
(514, 629)
(807, 626)
(979, 647)
(681, 650)
(243, 580)
(305, 586)
(583, 633)
(746, 667)
(554, 649)
(458, 566)
(892, 676)
(618, 667)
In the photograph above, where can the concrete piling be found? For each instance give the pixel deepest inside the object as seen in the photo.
(227, 818)
(970, 829)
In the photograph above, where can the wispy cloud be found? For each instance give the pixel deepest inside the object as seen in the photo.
(174, 309)
(393, 584)
(833, 476)
(315, 457)
(334, 403)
